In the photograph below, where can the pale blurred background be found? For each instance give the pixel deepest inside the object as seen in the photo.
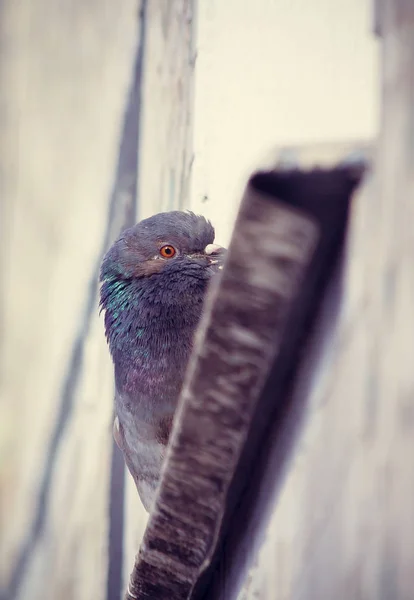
(277, 73)
(223, 84)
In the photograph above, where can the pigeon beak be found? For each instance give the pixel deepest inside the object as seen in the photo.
(213, 253)
(214, 250)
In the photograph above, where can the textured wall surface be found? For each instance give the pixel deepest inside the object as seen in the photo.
(68, 184)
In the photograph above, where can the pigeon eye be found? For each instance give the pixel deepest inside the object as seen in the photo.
(167, 251)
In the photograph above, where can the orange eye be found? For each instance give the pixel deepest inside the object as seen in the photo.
(167, 251)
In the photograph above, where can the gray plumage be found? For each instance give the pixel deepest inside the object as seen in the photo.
(154, 280)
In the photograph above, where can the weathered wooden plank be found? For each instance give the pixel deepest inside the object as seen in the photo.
(278, 419)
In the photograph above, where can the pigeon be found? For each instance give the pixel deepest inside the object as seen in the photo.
(154, 280)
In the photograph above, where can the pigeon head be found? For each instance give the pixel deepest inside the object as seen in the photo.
(157, 272)
(165, 243)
